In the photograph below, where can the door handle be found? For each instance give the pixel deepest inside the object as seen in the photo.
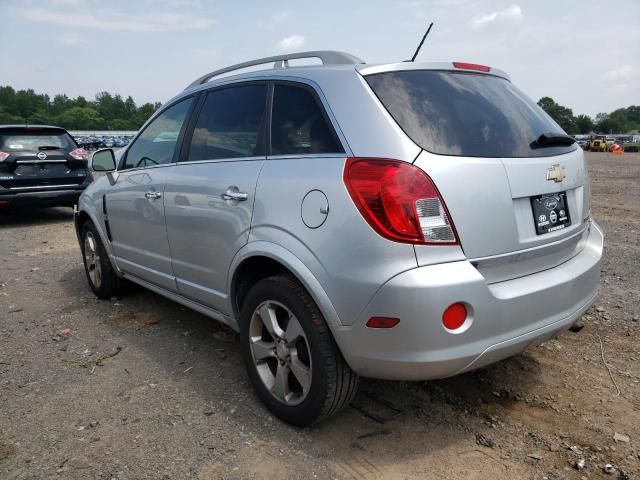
(232, 193)
(152, 195)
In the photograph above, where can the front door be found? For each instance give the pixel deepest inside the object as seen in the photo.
(209, 198)
(135, 204)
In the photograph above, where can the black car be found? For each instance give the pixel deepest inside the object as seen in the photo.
(41, 165)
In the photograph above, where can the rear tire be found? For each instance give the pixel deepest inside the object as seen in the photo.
(102, 278)
(297, 371)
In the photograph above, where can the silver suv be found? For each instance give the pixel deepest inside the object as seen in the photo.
(406, 221)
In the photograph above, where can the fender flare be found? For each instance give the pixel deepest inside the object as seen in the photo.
(280, 254)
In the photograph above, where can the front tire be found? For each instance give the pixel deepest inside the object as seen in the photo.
(291, 357)
(102, 278)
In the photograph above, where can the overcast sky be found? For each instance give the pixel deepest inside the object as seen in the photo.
(583, 53)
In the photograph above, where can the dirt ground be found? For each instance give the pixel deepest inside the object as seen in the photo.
(138, 387)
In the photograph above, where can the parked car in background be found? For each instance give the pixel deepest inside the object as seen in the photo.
(582, 144)
(404, 221)
(631, 146)
(41, 165)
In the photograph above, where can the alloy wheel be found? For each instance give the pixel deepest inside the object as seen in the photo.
(92, 260)
(280, 352)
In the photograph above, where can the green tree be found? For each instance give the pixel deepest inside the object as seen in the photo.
(563, 116)
(8, 100)
(60, 104)
(81, 118)
(584, 124)
(26, 103)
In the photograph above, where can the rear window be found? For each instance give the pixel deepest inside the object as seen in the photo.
(465, 114)
(19, 139)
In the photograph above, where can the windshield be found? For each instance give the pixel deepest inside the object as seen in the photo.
(17, 140)
(465, 114)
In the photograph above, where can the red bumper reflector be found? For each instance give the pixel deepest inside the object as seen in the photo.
(382, 322)
(454, 316)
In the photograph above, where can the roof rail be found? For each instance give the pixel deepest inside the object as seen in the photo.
(328, 57)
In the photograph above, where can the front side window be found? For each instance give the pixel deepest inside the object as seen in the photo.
(299, 125)
(156, 145)
(231, 124)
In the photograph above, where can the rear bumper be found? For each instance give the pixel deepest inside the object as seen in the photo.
(46, 198)
(505, 317)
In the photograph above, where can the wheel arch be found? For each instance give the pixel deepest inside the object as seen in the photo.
(85, 215)
(258, 260)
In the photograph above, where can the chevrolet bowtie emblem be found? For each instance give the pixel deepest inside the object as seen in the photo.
(556, 173)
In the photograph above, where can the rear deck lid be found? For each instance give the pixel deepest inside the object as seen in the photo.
(496, 157)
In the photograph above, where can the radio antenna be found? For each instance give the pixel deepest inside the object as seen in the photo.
(421, 42)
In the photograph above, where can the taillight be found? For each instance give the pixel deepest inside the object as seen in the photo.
(3, 155)
(471, 66)
(79, 154)
(399, 201)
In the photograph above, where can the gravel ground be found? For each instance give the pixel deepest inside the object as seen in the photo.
(138, 387)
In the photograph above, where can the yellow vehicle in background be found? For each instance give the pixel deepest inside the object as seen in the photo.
(597, 143)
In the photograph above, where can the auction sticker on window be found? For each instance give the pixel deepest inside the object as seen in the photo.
(550, 212)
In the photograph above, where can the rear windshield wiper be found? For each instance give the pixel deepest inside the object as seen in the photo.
(552, 140)
(49, 147)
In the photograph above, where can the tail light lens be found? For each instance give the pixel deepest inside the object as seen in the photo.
(399, 201)
(3, 156)
(471, 66)
(79, 154)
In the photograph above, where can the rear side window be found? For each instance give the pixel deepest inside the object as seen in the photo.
(15, 140)
(156, 145)
(231, 124)
(299, 125)
(465, 114)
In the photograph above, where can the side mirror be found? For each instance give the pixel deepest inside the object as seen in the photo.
(103, 160)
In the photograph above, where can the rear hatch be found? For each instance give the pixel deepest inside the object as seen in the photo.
(514, 183)
(40, 158)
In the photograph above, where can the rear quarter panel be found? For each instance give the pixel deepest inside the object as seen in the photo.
(348, 259)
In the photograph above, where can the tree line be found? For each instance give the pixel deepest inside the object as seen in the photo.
(622, 120)
(104, 112)
(111, 112)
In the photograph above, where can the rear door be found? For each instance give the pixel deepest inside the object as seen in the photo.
(507, 191)
(209, 197)
(135, 203)
(39, 158)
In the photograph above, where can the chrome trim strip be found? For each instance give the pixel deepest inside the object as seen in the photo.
(41, 161)
(46, 186)
(307, 155)
(222, 160)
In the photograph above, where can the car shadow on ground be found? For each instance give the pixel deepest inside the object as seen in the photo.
(184, 344)
(27, 217)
